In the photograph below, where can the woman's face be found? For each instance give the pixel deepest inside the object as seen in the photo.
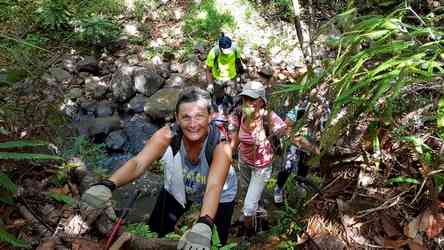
(193, 118)
(251, 105)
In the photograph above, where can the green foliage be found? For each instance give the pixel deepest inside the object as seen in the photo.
(7, 184)
(65, 199)
(440, 118)
(142, 7)
(403, 180)
(270, 184)
(205, 23)
(287, 244)
(229, 246)
(423, 150)
(88, 152)
(54, 14)
(285, 7)
(24, 54)
(439, 182)
(28, 156)
(22, 143)
(24, 155)
(142, 230)
(96, 31)
(287, 221)
(11, 239)
(107, 8)
(377, 57)
(62, 172)
(215, 240)
(172, 236)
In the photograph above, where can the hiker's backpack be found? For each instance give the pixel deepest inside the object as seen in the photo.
(214, 137)
(240, 69)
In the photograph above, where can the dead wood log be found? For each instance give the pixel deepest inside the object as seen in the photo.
(129, 241)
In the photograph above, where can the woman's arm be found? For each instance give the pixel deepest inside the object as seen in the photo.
(305, 144)
(279, 127)
(216, 179)
(153, 150)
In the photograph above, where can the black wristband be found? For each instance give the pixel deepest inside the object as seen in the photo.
(206, 220)
(107, 183)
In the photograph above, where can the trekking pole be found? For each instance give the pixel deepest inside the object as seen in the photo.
(121, 219)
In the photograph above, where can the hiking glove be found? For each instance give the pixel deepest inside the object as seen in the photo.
(199, 237)
(95, 200)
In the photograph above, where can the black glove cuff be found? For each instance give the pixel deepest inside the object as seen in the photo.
(206, 220)
(107, 183)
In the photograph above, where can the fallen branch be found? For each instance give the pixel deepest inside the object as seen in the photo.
(317, 194)
(387, 204)
(128, 241)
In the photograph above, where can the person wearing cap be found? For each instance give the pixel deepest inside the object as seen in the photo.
(221, 69)
(250, 140)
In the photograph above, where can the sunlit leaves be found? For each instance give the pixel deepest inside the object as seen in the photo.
(377, 56)
(440, 117)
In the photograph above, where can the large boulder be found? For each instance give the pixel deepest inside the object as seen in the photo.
(191, 69)
(116, 140)
(104, 125)
(122, 83)
(175, 81)
(87, 106)
(138, 131)
(74, 93)
(95, 86)
(60, 74)
(98, 128)
(162, 104)
(147, 82)
(104, 109)
(136, 104)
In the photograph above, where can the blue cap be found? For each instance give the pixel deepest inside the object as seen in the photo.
(224, 42)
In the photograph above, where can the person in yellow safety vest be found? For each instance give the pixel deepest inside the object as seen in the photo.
(222, 70)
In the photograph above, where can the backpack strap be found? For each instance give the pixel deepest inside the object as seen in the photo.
(177, 137)
(213, 139)
(216, 56)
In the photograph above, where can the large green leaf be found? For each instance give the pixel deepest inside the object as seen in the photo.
(7, 199)
(61, 198)
(7, 183)
(28, 156)
(22, 143)
(11, 239)
(403, 180)
(440, 113)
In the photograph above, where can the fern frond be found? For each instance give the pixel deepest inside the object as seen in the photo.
(11, 239)
(22, 144)
(61, 198)
(7, 183)
(9, 200)
(28, 156)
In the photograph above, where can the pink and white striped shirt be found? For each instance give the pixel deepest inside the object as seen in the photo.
(254, 148)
